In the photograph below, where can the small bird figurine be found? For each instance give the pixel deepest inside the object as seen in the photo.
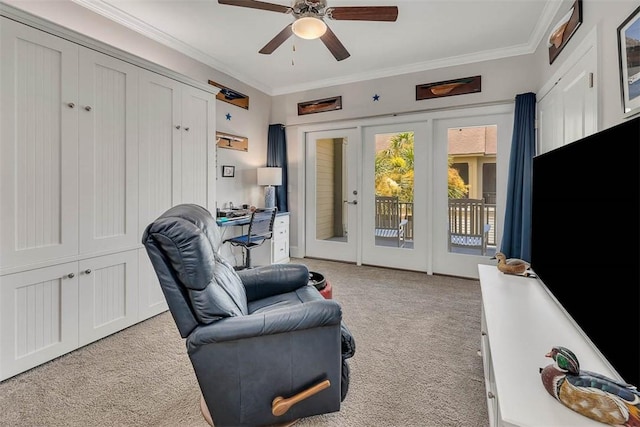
(589, 393)
(513, 265)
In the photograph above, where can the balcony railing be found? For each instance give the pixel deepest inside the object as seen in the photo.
(406, 212)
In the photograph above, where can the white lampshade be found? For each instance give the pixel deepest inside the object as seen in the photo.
(269, 176)
(309, 27)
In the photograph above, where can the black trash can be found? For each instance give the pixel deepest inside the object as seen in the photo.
(317, 280)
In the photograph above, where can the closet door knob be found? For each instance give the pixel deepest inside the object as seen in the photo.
(88, 108)
(71, 275)
(71, 105)
(178, 127)
(187, 129)
(87, 271)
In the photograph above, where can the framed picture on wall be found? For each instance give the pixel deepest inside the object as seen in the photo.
(564, 30)
(228, 171)
(629, 52)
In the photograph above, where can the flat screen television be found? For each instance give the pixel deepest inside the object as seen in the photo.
(585, 238)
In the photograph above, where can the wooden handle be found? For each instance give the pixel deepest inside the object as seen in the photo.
(280, 405)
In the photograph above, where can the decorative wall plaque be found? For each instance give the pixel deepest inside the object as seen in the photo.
(320, 105)
(231, 96)
(448, 88)
(232, 142)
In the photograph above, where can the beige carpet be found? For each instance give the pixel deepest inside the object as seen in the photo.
(416, 363)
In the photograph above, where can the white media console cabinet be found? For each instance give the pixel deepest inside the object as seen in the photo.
(521, 322)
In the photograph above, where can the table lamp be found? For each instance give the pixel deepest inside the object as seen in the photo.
(269, 177)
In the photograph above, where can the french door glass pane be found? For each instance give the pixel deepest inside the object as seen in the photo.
(331, 171)
(393, 188)
(471, 189)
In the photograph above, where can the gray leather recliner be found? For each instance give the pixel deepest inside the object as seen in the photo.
(265, 346)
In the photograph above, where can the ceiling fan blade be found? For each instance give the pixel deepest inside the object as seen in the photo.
(272, 7)
(334, 45)
(277, 40)
(363, 13)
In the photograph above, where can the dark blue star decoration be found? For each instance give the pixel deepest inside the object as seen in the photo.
(376, 97)
(228, 116)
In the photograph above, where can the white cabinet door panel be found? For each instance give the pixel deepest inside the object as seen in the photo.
(160, 151)
(569, 110)
(108, 295)
(159, 171)
(39, 317)
(151, 300)
(198, 125)
(108, 153)
(38, 151)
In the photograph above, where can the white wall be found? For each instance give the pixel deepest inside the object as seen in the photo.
(252, 123)
(501, 81)
(606, 16)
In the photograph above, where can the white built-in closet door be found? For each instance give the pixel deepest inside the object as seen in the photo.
(39, 137)
(108, 153)
(107, 295)
(160, 131)
(39, 316)
(568, 110)
(197, 130)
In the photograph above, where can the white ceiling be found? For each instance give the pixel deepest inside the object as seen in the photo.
(428, 34)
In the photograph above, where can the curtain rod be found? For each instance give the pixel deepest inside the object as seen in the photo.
(425, 110)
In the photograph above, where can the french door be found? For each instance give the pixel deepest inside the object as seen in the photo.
(345, 220)
(383, 194)
(395, 189)
(331, 201)
(472, 149)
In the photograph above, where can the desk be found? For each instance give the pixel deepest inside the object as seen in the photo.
(274, 252)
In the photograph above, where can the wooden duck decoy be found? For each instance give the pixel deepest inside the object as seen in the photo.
(513, 265)
(589, 393)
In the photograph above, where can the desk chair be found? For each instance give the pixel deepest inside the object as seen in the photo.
(260, 230)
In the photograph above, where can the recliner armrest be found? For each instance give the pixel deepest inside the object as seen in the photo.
(263, 282)
(309, 315)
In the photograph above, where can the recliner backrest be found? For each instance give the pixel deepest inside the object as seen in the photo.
(200, 286)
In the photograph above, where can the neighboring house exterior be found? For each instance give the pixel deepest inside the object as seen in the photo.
(474, 156)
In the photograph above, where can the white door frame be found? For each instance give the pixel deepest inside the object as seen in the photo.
(415, 258)
(502, 115)
(346, 251)
(428, 118)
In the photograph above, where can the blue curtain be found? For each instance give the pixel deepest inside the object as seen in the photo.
(277, 157)
(516, 237)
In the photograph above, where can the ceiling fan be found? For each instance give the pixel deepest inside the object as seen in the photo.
(309, 21)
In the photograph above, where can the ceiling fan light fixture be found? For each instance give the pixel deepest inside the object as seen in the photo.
(309, 27)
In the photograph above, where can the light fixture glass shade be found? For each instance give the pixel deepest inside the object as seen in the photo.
(309, 27)
(269, 176)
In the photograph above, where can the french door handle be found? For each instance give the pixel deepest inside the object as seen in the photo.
(355, 202)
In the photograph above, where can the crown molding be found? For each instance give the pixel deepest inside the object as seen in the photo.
(100, 7)
(52, 28)
(114, 14)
